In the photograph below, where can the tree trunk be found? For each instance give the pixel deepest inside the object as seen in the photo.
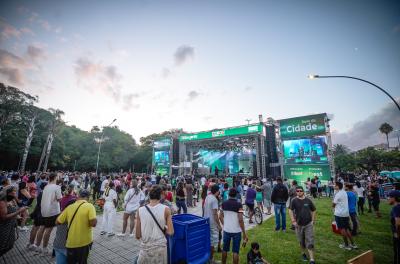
(28, 141)
(43, 152)
(48, 152)
(387, 139)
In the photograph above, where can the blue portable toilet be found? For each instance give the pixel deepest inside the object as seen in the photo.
(191, 240)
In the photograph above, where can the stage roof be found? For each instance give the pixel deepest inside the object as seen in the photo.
(224, 132)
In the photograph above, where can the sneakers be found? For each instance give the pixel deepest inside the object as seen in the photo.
(343, 246)
(46, 252)
(304, 257)
(120, 234)
(31, 247)
(103, 232)
(353, 246)
(131, 235)
(24, 229)
(110, 234)
(312, 262)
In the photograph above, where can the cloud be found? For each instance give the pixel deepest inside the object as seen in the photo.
(35, 53)
(193, 95)
(128, 101)
(396, 29)
(366, 133)
(98, 77)
(182, 54)
(27, 31)
(248, 88)
(12, 67)
(165, 73)
(8, 31)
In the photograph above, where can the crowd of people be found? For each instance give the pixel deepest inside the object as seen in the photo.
(67, 202)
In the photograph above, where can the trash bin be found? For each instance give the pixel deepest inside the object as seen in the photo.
(191, 241)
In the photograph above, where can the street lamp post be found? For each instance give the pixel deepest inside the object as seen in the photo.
(101, 140)
(311, 76)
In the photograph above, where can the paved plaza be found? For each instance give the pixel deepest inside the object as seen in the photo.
(105, 249)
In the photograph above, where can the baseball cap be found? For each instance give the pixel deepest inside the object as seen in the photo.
(84, 193)
(394, 194)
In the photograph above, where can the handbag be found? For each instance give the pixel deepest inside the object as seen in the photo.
(155, 220)
(335, 229)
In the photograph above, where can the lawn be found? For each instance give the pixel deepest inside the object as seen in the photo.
(279, 247)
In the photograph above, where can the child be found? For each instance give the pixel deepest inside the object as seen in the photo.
(254, 255)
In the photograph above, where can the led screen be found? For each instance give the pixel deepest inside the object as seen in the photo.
(305, 151)
(161, 158)
(236, 161)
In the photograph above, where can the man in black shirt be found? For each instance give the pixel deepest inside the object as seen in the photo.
(302, 213)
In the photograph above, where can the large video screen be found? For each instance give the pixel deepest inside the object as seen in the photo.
(236, 161)
(161, 158)
(305, 151)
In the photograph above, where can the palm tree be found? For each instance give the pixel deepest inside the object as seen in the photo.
(385, 128)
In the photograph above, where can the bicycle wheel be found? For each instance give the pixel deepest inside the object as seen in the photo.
(245, 211)
(258, 216)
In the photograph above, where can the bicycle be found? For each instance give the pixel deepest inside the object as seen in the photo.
(258, 215)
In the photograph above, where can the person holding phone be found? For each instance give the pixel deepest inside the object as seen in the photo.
(110, 209)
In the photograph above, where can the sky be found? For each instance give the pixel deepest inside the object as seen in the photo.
(200, 65)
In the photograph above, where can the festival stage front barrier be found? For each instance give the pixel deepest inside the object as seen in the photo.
(304, 126)
(234, 131)
(300, 173)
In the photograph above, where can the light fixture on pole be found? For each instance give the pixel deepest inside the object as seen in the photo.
(248, 121)
(101, 140)
(314, 76)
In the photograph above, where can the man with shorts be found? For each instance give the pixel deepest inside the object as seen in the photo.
(250, 197)
(50, 209)
(302, 213)
(211, 212)
(232, 218)
(81, 218)
(340, 203)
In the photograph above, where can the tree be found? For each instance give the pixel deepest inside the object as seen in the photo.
(340, 149)
(369, 159)
(12, 101)
(385, 128)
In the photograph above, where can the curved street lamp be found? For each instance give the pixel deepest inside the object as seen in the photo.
(312, 76)
(101, 140)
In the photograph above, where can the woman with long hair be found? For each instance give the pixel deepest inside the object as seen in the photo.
(110, 209)
(9, 213)
(181, 198)
(134, 197)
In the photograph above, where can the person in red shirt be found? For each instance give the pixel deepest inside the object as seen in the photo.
(169, 195)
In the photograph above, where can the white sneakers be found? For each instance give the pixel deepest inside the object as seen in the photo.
(31, 247)
(120, 234)
(25, 228)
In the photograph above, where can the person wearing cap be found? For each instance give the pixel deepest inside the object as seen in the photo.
(79, 234)
(302, 212)
(231, 218)
(394, 200)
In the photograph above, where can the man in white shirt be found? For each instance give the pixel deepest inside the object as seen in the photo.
(211, 212)
(340, 203)
(50, 209)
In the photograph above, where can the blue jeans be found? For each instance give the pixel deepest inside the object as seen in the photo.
(61, 255)
(181, 204)
(280, 210)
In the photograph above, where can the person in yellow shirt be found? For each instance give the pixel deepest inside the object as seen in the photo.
(80, 217)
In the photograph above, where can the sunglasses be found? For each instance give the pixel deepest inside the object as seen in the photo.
(299, 191)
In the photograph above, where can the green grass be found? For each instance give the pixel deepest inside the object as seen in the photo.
(279, 247)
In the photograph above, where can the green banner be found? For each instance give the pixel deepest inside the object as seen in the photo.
(303, 126)
(234, 131)
(300, 173)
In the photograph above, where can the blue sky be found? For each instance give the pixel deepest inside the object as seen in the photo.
(198, 65)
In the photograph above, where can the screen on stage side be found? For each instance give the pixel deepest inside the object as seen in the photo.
(161, 158)
(235, 160)
(305, 151)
